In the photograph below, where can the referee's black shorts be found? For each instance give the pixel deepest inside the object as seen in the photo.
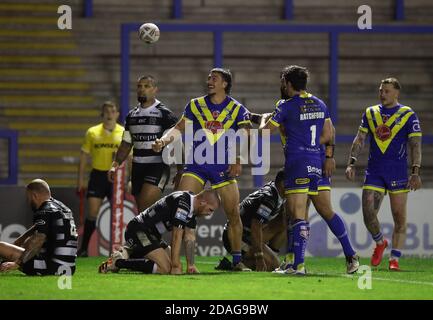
(157, 174)
(99, 186)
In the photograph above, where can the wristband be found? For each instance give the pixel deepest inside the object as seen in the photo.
(331, 155)
(415, 169)
(352, 161)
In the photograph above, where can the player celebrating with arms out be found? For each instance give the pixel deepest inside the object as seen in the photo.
(391, 127)
(214, 114)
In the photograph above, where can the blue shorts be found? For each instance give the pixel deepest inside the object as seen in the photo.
(302, 175)
(393, 179)
(324, 184)
(217, 175)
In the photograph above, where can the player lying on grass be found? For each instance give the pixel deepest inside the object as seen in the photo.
(264, 227)
(145, 250)
(49, 247)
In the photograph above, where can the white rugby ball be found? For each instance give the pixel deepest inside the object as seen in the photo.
(149, 32)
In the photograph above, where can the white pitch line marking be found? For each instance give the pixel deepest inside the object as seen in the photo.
(352, 276)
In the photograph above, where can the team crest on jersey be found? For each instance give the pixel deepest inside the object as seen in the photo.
(152, 121)
(215, 114)
(383, 132)
(214, 126)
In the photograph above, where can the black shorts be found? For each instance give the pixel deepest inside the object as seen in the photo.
(99, 186)
(44, 267)
(142, 240)
(157, 174)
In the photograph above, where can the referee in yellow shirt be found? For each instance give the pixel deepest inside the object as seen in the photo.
(100, 144)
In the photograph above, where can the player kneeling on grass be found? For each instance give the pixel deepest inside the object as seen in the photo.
(145, 250)
(49, 247)
(264, 227)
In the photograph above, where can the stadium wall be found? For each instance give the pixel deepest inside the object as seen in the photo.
(15, 217)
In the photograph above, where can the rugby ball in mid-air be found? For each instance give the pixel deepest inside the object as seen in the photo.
(148, 32)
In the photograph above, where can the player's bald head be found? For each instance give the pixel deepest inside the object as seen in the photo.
(39, 186)
(210, 196)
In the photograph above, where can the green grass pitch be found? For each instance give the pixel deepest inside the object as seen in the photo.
(326, 279)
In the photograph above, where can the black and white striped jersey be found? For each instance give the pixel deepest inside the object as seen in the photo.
(145, 125)
(174, 210)
(263, 205)
(56, 221)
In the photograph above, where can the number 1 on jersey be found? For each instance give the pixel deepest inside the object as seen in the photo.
(313, 135)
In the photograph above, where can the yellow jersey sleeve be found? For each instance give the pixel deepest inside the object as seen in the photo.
(87, 144)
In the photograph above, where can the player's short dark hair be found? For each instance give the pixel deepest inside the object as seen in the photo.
(395, 83)
(149, 77)
(296, 75)
(227, 77)
(280, 176)
(109, 103)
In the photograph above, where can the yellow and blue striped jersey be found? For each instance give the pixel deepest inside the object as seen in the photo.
(389, 130)
(214, 121)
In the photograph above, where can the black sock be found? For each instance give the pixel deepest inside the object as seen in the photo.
(142, 265)
(89, 227)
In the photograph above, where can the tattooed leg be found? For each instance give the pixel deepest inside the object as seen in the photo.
(371, 201)
(399, 212)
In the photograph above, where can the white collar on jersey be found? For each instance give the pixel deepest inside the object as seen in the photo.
(150, 107)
